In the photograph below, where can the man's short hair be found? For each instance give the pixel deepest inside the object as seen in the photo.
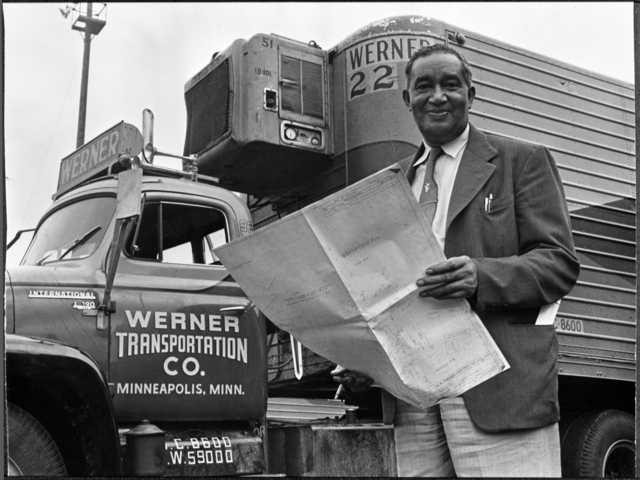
(438, 48)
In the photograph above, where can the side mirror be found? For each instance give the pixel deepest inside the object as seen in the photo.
(127, 211)
(148, 150)
(129, 193)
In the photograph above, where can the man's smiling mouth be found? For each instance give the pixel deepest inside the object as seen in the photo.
(437, 115)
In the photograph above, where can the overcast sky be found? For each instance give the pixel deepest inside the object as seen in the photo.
(147, 52)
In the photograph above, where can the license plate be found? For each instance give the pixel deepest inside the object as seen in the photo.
(213, 453)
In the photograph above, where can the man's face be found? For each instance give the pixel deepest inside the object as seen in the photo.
(439, 97)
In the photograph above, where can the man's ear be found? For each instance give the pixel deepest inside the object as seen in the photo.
(406, 98)
(472, 95)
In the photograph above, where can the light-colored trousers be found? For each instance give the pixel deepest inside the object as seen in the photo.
(442, 441)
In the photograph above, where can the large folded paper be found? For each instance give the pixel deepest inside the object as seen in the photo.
(340, 275)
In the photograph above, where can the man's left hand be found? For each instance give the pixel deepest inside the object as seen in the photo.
(352, 380)
(456, 277)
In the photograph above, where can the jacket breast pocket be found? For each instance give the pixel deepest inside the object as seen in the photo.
(498, 227)
(496, 207)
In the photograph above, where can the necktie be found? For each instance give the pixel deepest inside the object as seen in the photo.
(429, 192)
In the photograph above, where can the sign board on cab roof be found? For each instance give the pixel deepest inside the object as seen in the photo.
(97, 155)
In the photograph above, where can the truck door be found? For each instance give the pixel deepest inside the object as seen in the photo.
(56, 284)
(185, 342)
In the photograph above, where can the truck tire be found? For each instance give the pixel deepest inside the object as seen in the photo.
(599, 444)
(32, 451)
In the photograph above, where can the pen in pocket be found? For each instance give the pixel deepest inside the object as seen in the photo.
(487, 203)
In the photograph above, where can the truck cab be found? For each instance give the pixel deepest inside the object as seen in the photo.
(177, 352)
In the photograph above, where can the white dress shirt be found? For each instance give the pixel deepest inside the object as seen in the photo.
(444, 174)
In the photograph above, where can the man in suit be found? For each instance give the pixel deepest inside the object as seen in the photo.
(499, 212)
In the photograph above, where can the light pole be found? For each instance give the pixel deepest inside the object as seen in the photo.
(90, 25)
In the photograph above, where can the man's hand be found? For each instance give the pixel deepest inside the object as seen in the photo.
(352, 380)
(456, 277)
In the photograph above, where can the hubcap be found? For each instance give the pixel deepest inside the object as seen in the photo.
(619, 460)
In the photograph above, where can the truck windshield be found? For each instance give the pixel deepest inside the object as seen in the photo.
(71, 232)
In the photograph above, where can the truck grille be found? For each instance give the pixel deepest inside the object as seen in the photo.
(207, 109)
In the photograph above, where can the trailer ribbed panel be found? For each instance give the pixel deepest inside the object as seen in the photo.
(530, 61)
(605, 228)
(563, 127)
(530, 101)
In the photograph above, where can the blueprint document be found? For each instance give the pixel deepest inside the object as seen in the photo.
(340, 275)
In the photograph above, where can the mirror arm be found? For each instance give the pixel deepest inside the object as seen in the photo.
(107, 306)
(136, 234)
(18, 235)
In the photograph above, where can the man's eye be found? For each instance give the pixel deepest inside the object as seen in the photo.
(452, 85)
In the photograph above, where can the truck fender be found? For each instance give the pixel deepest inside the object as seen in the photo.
(65, 391)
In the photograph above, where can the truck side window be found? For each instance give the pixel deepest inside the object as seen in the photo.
(174, 232)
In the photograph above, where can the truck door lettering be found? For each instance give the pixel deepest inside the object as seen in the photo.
(131, 344)
(167, 370)
(137, 318)
(161, 320)
(231, 323)
(168, 388)
(226, 389)
(178, 321)
(191, 366)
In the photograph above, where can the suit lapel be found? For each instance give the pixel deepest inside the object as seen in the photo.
(411, 170)
(474, 171)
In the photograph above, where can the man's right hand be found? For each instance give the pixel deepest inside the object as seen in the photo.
(353, 381)
(456, 277)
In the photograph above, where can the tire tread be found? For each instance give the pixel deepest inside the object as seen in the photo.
(31, 446)
(587, 439)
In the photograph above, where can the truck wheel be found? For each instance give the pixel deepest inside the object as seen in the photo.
(32, 450)
(599, 444)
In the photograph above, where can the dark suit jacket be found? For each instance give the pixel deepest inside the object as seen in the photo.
(525, 257)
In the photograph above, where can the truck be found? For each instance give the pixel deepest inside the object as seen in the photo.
(160, 368)
(284, 123)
